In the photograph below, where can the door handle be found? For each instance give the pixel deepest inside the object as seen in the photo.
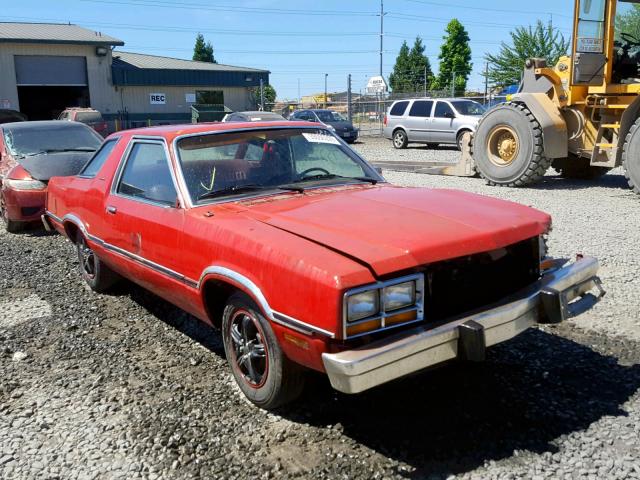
(112, 210)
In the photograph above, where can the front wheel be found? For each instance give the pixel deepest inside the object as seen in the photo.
(261, 370)
(93, 271)
(631, 157)
(508, 147)
(400, 139)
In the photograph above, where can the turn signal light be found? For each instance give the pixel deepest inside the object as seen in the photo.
(401, 318)
(364, 327)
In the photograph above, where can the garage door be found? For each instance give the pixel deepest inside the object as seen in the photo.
(50, 70)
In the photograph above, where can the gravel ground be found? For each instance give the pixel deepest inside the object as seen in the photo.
(126, 386)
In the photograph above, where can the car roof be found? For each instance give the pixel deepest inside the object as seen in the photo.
(81, 109)
(170, 132)
(39, 123)
(446, 99)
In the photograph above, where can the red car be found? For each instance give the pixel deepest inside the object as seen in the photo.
(282, 236)
(30, 154)
(88, 116)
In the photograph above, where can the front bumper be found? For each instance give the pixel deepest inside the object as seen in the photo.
(546, 301)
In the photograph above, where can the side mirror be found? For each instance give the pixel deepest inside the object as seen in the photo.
(378, 170)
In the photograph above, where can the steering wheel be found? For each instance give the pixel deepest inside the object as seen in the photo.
(314, 169)
(630, 39)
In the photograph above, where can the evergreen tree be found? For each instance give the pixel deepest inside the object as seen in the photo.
(411, 66)
(202, 51)
(543, 41)
(455, 58)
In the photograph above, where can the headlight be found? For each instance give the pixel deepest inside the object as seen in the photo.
(362, 305)
(399, 296)
(24, 184)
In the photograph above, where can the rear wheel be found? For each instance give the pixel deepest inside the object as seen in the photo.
(261, 370)
(578, 168)
(463, 136)
(631, 157)
(400, 139)
(10, 225)
(508, 147)
(97, 275)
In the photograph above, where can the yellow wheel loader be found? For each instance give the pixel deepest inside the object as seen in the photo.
(581, 116)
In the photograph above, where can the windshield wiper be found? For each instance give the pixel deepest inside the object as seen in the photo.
(59, 150)
(331, 176)
(230, 190)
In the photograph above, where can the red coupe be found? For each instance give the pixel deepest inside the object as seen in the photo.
(299, 251)
(30, 154)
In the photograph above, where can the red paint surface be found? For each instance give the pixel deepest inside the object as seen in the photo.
(14, 200)
(302, 251)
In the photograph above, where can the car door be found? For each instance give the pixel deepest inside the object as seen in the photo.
(146, 215)
(443, 130)
(419, 121)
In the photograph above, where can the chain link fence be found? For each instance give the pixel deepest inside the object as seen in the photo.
(367, 111)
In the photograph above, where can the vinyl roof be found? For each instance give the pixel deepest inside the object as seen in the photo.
(11, 32)
(154, 62)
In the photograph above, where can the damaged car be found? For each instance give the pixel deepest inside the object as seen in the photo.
(304, 257)
(30, 154)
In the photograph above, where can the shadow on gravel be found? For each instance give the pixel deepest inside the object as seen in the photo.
(454, 419)
(609, 180)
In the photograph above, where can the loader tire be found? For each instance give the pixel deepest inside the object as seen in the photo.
(508, 147)
(578, 168)
(631, 157)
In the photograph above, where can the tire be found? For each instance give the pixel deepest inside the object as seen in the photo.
(400, 139)
(266, 376)
(97, 275)
(460, 138)
(578, 168)
(508, 147)
(10, 226)
(631, 157)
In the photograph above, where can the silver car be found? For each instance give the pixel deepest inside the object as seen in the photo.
(431, 121)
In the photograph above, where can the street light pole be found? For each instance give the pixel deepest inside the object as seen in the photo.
(325, 89)
(381, 33)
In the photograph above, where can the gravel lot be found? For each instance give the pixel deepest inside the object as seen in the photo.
(127, 386)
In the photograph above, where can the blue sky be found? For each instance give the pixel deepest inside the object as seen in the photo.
(297, 40)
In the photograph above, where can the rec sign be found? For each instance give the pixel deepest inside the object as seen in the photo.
(157, 98)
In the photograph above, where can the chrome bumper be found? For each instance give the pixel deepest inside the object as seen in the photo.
(547, 301)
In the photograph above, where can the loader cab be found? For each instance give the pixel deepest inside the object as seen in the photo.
(602, 55)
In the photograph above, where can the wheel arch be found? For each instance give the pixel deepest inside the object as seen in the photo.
(554, 127)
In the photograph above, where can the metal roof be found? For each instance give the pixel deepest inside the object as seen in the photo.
(53, 33)
(141, 60)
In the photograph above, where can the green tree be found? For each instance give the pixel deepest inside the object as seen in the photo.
(455, 58)
(270, 96)
(203, 52)
(543, 41)
(628, 20)
(412, 69)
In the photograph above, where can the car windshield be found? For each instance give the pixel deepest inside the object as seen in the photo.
(327, 116)
(87, 117)
(240, 163)
(467, 107)
(29, 139)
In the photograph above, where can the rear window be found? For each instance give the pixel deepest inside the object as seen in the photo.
(89, 117)
(421, 108)
(398, 109)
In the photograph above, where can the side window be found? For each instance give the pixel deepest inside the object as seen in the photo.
(398, 109)
(443, 110)
(94, 165)
(146, 174)
(421, 108)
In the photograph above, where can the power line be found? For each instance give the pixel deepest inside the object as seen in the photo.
(485, 9)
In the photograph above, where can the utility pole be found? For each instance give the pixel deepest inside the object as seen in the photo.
(325, 89)
(262, 94)
(486, 81)
(453, 85)
(381, 33)
(349, 109)
(425, 81)
(299, 100)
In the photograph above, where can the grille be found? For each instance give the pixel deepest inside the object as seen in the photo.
(463, 284)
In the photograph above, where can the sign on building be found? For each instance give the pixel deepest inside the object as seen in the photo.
(157, 98)
(190, 97)
(5, 104)
(377, 85)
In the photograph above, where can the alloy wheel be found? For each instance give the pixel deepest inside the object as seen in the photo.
(249, 348)
(87, 259)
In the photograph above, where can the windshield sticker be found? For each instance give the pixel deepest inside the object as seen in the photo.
(320, 138)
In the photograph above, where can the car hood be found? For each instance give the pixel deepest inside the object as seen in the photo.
(391, 229)
(63, 164)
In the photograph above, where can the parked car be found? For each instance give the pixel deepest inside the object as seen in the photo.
(430, 121)
(9, 116)
(303, 255)
(88, 116)
(253, 117)
(30, 154)
(333, 120)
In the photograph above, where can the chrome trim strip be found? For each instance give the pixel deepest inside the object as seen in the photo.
(276, 317)
(55, 217)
